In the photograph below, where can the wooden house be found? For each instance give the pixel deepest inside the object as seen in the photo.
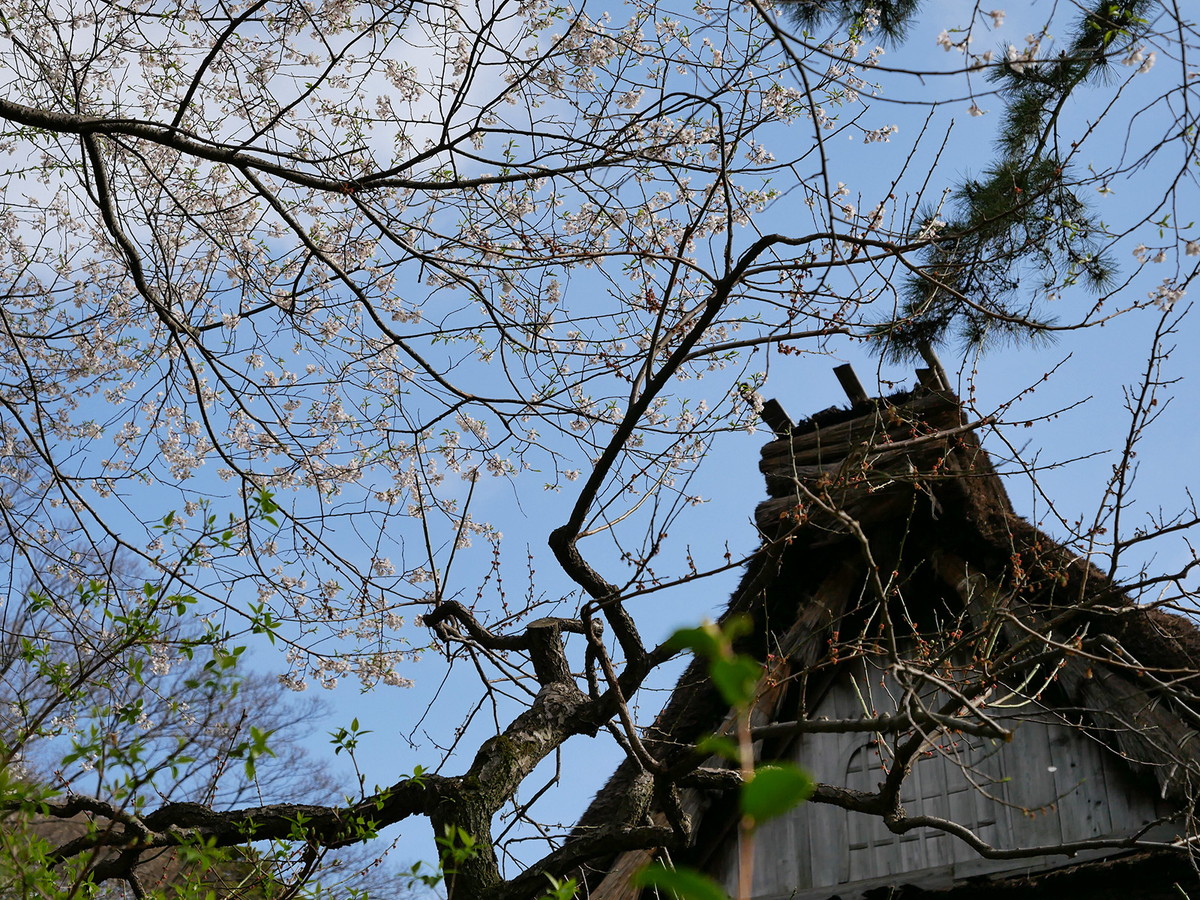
(985, 712)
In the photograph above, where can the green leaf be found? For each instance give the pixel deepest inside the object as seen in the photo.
(719, 745)
(774, 790)
(736, 678)
(683, 884)
(710, 640)
(703, 641)
(736, 626)
(560, 889)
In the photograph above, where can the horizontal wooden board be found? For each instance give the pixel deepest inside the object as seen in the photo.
(919, 416)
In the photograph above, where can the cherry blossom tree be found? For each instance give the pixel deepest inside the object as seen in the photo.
(289, 286)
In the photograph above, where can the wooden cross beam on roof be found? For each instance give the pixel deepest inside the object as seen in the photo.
(851, 385)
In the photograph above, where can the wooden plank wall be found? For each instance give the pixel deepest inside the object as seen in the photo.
(1051, 784)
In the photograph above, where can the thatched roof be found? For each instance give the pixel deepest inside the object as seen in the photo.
(901, 486)
(229, 872)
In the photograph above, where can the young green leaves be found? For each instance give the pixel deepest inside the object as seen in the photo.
(768, 791)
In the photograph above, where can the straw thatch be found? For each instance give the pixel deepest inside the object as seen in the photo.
(902, 488)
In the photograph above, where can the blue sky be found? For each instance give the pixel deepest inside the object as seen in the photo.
(1062, 406)
(1059, 402)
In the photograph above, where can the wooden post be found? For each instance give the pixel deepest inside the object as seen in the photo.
(851, 385)
(776, 419)
(930, 379)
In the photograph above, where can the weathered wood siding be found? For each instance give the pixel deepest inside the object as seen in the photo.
(1051, 784)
